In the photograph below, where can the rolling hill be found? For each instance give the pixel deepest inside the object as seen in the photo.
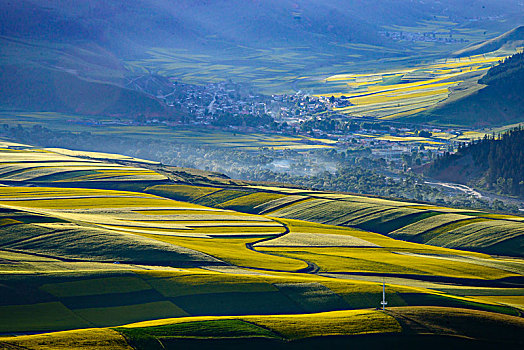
(451, 228)
(92, 243)
(42, 89)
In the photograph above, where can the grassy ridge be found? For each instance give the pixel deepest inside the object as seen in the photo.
(400, 327)
(58, 301)
(34, 165)
(287, 326)
(258, 276)
(461, 229)
(85, 339)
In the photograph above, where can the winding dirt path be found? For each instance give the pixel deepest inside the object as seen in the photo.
(311, 268)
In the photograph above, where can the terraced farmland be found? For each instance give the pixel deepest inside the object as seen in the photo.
(397, 94)
(33, 165)
(243, 262)
(444, 227)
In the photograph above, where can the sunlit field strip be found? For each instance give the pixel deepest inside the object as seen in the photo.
(234, 251)
(96, 202)
(376, 260)
(395, 97)
(444, 66)
(376, 84)
(20, 192)
(402, 90)
(391, 107)
(59, 164)
(97, 155)
(308, 325)
(406, 113)
(350, 76)
(399, 107)
(34, 173)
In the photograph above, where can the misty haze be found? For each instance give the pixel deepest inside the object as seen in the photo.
(285, 174)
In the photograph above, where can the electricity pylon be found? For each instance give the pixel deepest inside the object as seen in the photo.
(383, 302)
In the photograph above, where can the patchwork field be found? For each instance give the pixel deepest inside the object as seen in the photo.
(396, 94)
(444, 227)
(268, 264)
(36, 165)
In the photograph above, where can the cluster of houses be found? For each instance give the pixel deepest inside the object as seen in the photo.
(202, 102)
(296, 106)
(444, 37)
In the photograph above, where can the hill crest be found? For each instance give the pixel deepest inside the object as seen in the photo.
(510, 40)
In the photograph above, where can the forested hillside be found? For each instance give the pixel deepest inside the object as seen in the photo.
(509, 72)
(495, 163)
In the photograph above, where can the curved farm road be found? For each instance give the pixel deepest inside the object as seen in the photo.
(311, 267)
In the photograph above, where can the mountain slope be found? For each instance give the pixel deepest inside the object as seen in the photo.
(509, 40)
(498, 103)
(265, 43)
(213, 26)
(41, 89)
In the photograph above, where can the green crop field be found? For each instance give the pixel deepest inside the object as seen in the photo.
(237, 261)
(396, 94)
(33, 165)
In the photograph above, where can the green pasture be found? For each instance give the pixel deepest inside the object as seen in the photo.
(336, 328)
(451, 228)
(186, 135)
(79, 258)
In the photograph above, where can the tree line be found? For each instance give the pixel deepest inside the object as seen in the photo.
(499, 159)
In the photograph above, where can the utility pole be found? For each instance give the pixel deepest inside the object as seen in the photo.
(383, 302)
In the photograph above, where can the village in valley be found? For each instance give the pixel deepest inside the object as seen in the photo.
(234, 107)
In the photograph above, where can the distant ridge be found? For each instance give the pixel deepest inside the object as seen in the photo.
(42, 89)
(509, 40)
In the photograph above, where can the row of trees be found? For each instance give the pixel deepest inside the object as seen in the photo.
(228, 119)
(357, 179)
